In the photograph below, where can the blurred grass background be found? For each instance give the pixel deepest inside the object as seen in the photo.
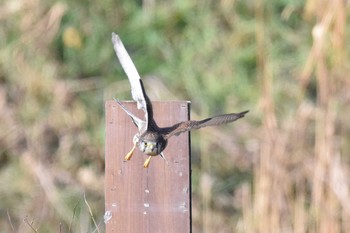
(283, 168)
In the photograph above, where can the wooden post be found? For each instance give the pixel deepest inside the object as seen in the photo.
(154, 200)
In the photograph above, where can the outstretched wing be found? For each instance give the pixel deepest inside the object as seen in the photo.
(137, 90)
(189, 125)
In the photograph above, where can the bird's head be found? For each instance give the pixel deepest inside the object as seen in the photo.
(152, 145)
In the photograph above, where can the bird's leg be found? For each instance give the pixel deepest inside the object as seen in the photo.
(148, 160)
(129, 155)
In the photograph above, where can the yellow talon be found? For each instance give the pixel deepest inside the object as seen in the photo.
(148, 160)
(129, 155)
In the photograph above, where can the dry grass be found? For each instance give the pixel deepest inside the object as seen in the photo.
(283, 168)
(301, 182)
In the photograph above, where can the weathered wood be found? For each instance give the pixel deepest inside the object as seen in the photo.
(156, 199)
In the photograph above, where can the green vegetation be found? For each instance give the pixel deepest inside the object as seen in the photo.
(283, 168)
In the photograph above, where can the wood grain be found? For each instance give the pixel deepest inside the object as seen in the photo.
(156, 199)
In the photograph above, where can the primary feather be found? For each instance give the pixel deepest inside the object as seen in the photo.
(137, 90)
(189, 125)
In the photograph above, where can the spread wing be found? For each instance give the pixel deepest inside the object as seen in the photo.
(189, 125)
(137, 90)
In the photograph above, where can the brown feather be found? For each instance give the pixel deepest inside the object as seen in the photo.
(189, 125)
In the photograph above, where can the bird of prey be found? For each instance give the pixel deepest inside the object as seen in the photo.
(150, 138)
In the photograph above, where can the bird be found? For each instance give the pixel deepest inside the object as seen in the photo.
(150, 138)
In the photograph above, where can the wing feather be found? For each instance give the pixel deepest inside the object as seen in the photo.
(137, 90)
(189, 125)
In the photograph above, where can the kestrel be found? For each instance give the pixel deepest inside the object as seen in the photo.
(150, 138)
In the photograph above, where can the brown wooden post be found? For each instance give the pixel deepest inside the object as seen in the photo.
(154, 200)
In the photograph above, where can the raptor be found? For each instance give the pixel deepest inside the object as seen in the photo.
(150, 138)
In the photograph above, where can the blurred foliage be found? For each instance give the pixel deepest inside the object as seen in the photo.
(287, 61)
